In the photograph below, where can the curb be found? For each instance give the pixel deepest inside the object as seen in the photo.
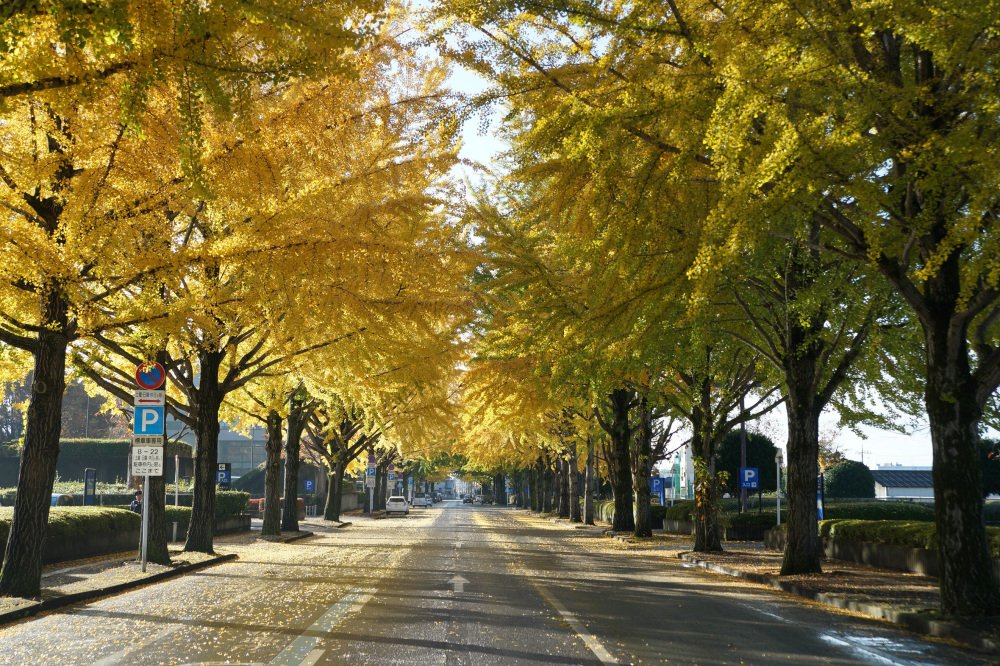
(916, 622)
(557, 521)
(281, 538)
(86, 595)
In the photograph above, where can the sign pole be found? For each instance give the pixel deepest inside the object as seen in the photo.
(145, 519)
(177, 477)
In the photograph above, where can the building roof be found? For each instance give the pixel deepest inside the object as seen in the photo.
(898, 478)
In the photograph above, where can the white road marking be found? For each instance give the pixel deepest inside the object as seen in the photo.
(458, 584)
(581, 631)
(110, 660)
(312, 658)
(303, 647)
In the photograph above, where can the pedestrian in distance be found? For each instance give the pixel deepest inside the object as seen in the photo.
(136, 504)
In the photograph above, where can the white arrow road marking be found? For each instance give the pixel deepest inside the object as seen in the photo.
(303, 648)
(581, 631)
(458, 583)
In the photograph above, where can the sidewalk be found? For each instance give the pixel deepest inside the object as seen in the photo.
(66, 583)
(907, 599)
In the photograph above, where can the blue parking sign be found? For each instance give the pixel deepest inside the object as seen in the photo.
(749, 478)
(222, 476)
(310, 485)
(148, 421)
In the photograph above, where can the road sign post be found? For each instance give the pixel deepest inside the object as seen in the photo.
(89, 486)
(819, 497)
(148, 440)
(224, 475)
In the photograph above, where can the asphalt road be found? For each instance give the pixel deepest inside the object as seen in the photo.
(458, 584)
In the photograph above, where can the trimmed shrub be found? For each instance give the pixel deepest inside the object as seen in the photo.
(178, 514)
(683, 510)
(231, 503)
(879, 511)
(253, 481)
(849, 479)
(909, 534)
(74, 521)
(768, 517)
(604, 510)
(227, 502)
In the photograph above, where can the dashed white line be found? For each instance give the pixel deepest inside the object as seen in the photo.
(581, 631)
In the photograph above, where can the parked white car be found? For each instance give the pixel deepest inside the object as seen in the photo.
(418, 500)
(397, 504)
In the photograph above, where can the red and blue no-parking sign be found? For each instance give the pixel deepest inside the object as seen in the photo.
(150, 375)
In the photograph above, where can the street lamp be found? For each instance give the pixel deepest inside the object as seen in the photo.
(777, 463)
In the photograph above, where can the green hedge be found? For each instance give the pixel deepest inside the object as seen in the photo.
(683, 510)
(97, 448)
(604, 510)
(227, 502)
(74, 521)
(878, 510)
(253, 481)
(906, 533)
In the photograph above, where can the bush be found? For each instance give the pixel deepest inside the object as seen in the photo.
(227, 502)
(683, 510)
(253, 481)
(909, 534)
(75, 521)
(768, 517)
(849, 479)
(879, 511)
(231, 503)
(178, 514)
(604, 510)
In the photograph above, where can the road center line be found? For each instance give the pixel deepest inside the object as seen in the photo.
(302, 648)
(581, 631)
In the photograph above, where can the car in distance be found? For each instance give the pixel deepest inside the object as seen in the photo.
(418, 500)
(467, 500)
(397, 504)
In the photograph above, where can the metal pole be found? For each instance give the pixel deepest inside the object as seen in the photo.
(371, 500)
(145, 520)
(177, 478)
(86, 428)
(743, 457)
(777, 463)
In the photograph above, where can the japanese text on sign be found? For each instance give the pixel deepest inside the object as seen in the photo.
(147, 460)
